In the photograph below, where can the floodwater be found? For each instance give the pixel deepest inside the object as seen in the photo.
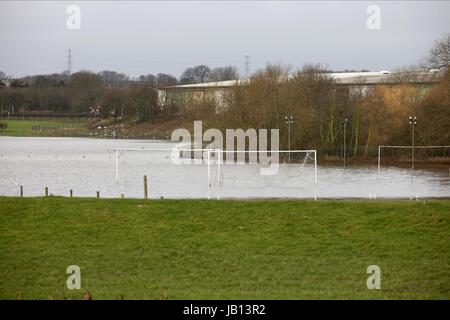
(90, 165)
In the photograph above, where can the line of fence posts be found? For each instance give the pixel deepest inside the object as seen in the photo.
(122, 196)
(70, 192)
(97, 192)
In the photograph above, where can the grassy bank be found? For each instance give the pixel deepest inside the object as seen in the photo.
(224, 249)
(45, 128)
(127, 128)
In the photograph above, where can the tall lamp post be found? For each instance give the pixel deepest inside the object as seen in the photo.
(289, 120)
(156, 89)
(412, 122)
(345, 138)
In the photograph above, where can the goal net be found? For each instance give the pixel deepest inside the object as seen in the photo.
(214, 173)
(277, 174)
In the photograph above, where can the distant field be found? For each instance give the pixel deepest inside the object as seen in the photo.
(200, 249)
(39, 128)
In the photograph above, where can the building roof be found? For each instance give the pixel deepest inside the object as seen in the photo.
(344, 78)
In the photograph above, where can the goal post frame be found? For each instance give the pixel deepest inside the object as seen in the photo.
(271, 151)
(219, 151)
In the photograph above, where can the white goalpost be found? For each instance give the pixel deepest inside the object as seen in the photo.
(295, 172)
(307, 153)
(222, 169)
(406, 147)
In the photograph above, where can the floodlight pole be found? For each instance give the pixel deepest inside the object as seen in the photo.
(289, 120)
(345, 138)
(117, 166)
(379, 158)
(156, 89)
(412, 122)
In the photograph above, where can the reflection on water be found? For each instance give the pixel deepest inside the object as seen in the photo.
(89, 165)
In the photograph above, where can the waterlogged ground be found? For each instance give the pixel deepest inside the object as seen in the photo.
(89, 165)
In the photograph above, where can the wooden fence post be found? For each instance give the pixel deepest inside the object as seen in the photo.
(145, 188)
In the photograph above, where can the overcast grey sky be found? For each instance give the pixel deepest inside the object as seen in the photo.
(150, 37)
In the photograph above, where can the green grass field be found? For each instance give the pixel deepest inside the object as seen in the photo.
(24, 128)
(206, 249)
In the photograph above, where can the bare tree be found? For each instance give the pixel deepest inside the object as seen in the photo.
(166, 80)
(113, 79)
(439, 55)
(114, 102)
(42, 88)
(224, 73)
(149, 78)
(85, 89)
(197, 74)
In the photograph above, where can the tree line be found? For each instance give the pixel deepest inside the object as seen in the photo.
(103, 94)
(371, 115)
(323, 110)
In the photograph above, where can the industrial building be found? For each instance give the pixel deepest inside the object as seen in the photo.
(214, 91)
